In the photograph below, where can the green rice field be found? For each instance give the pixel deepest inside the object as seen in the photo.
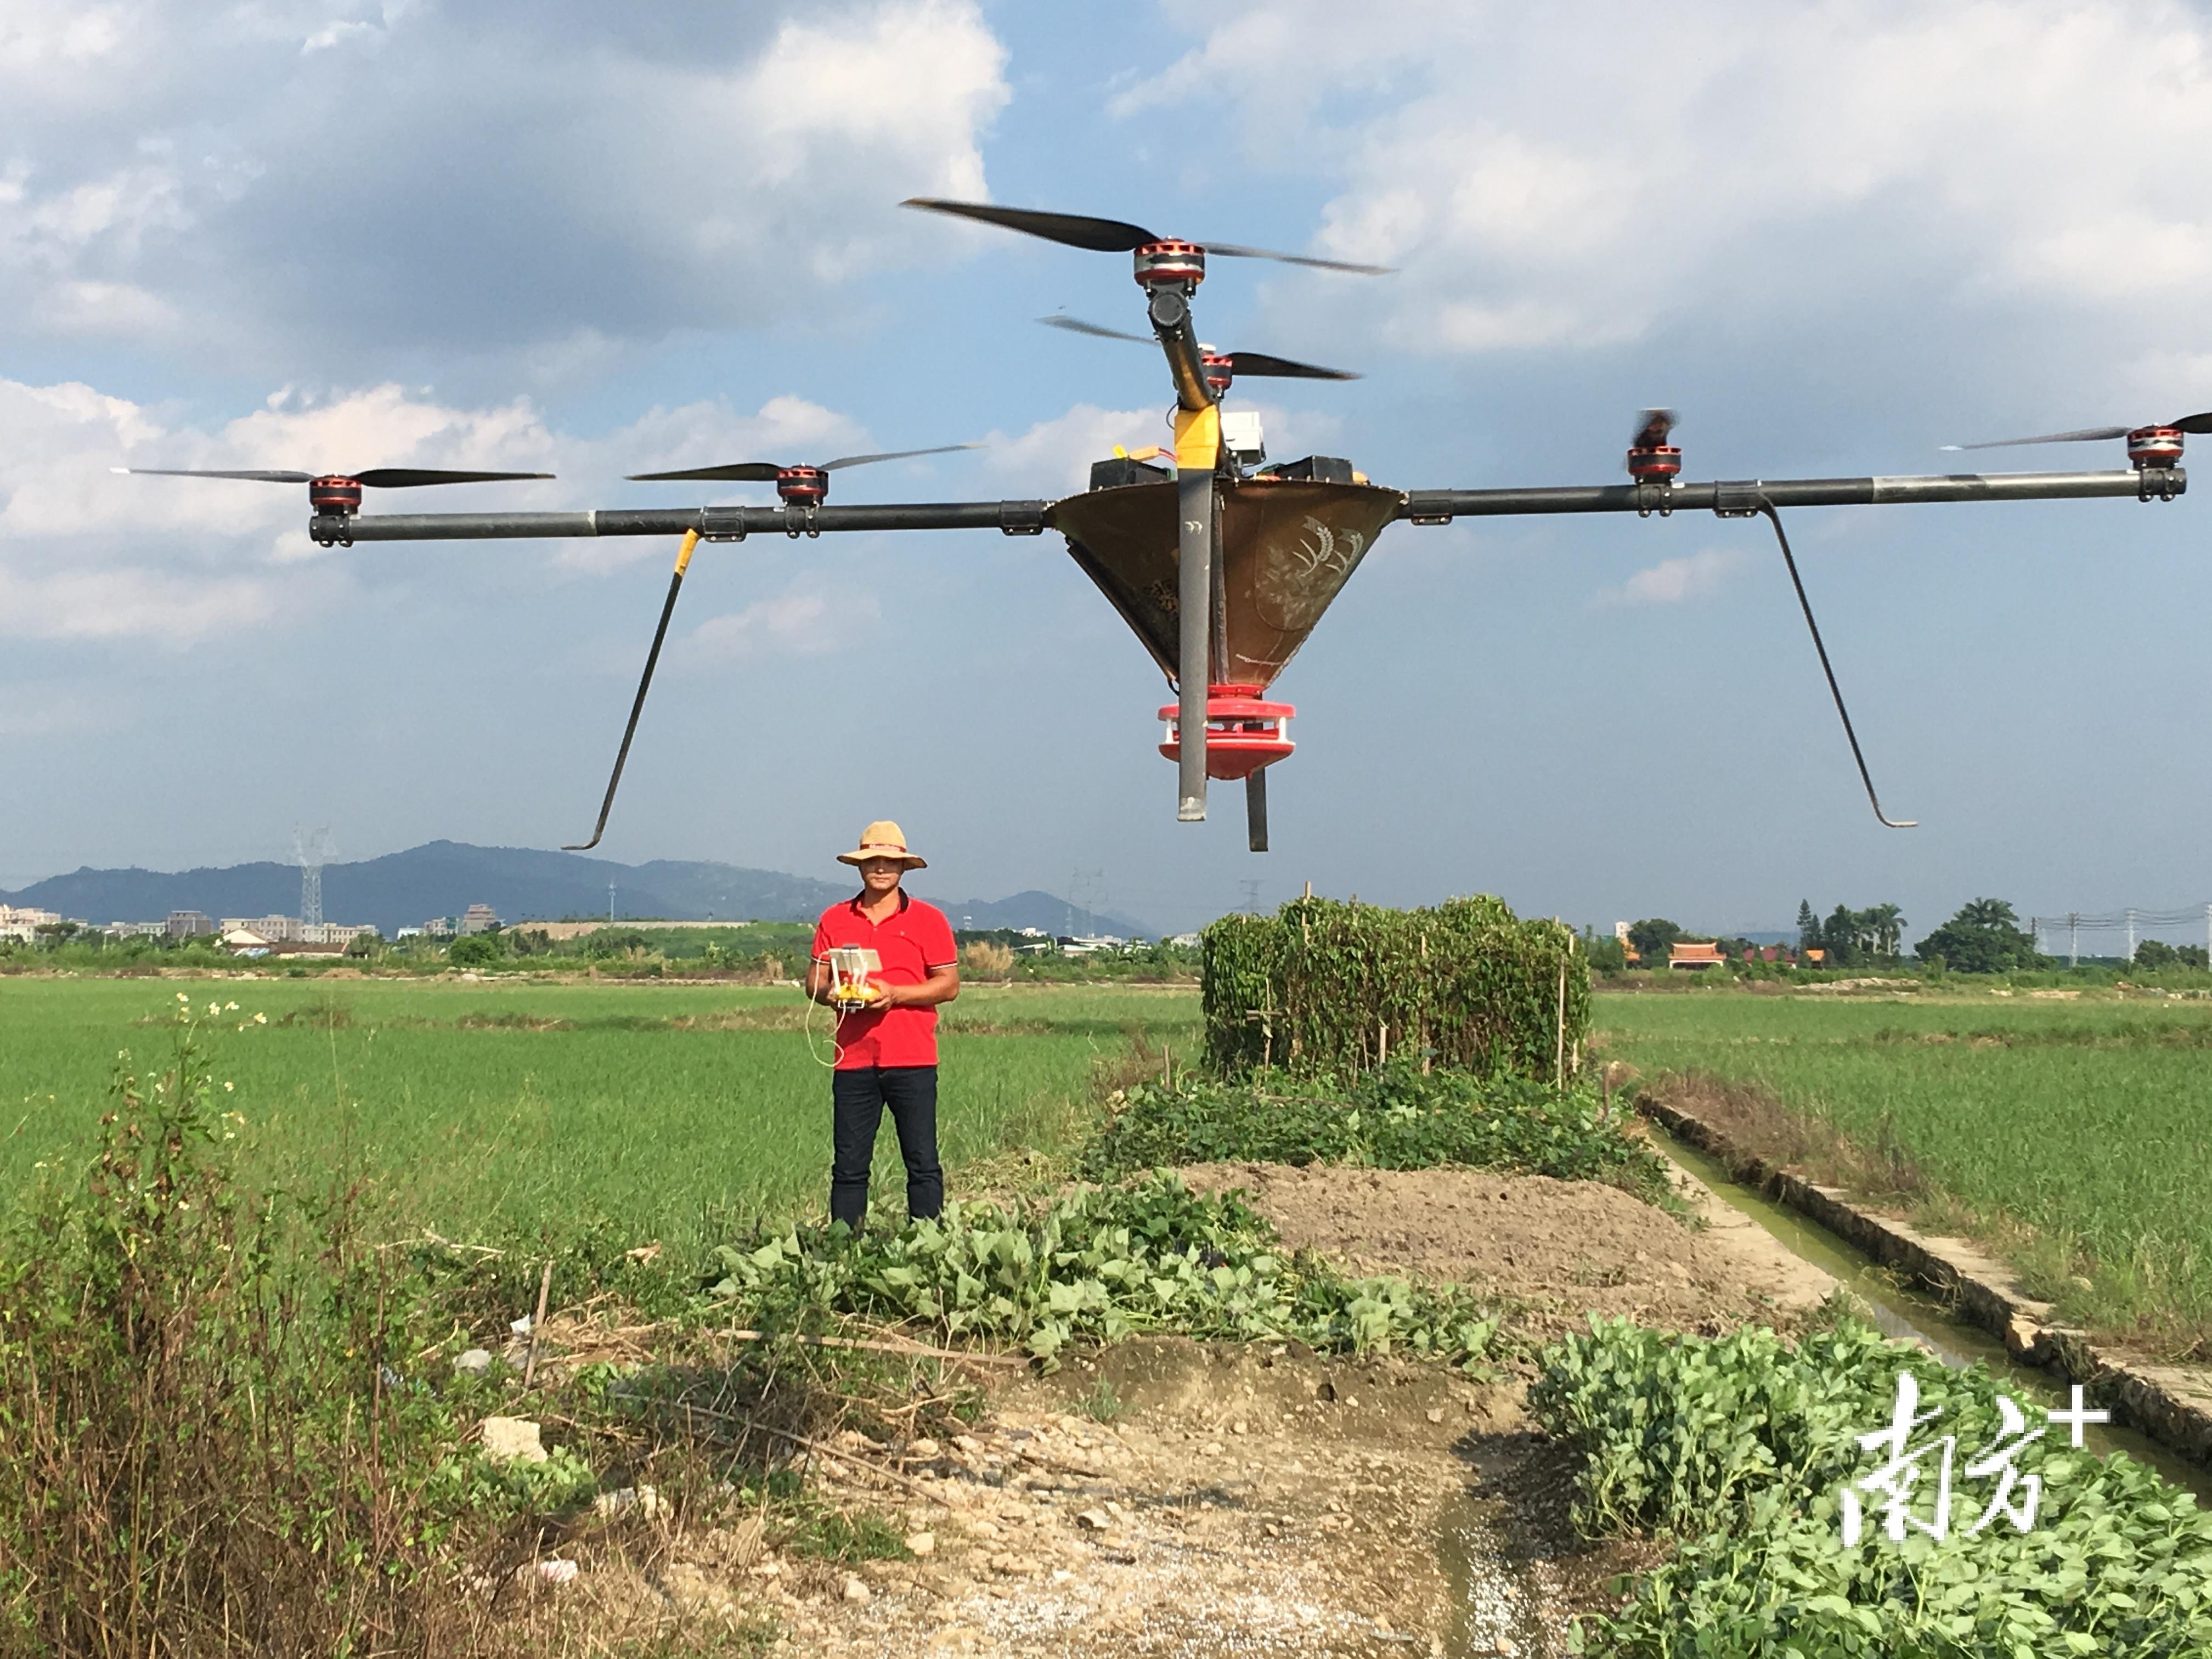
(673, 1111)
(2090, 1121)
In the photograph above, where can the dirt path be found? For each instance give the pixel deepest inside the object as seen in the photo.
(1167, 1498)
(1241, 1500)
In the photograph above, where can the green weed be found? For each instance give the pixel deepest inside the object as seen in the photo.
(1102, 1403)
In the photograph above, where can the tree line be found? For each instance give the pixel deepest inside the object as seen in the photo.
(1983, 937)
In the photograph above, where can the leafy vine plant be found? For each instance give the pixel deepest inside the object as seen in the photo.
(1324, 986)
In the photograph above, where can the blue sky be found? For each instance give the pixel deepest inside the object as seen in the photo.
(595, 241)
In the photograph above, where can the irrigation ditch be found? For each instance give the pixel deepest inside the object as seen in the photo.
(1953, 1300)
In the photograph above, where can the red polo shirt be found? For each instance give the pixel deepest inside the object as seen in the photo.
(912, 940)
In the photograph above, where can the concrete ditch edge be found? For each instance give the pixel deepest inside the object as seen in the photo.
(2170, 1404)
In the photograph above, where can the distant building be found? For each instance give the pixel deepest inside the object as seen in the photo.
(332, 933)
(188, 924)
(273, 930)
(1684, 954)
(479, 919)
(135, 929)
(21, 924)
(1187, 941)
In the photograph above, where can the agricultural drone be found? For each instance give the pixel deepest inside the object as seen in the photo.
(1220, 563)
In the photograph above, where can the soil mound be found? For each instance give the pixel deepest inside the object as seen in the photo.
(1564, 1248)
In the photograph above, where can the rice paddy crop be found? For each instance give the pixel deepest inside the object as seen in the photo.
(674, 1112)
(2087, 1120)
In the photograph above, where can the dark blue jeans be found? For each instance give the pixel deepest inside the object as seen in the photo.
(859, 1097)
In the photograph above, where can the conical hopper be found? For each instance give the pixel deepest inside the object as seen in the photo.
(1286, 546)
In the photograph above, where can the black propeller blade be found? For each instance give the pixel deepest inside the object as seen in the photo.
(2197, 425)
(377, 477)
(766, 471)
(1652, 425)
(1114, 235)
(1242, 364)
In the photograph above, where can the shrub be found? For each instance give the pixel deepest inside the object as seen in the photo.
(986, 960)
(476, 951)
(198, 1451)
(1327, 987)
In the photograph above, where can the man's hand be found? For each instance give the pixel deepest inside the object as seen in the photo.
(889, 996)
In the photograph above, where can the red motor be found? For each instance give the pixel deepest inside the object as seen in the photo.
(1160, 264)
(1655, 464)
(336, 497)
(1242, 732)
(1220, 370)
(802, 486)
(2152, 446)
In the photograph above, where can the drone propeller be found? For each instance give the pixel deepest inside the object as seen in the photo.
(1240, 364)
(2197, 425)
(337, 494)
(770, 472)
(1652, 425)
(1115, 235)
(376, 477)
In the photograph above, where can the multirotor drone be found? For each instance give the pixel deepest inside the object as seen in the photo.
(1214, 557)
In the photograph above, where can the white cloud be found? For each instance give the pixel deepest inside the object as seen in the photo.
(1053, 457)
(482, 177)
(1673, 581)
(805, 620)
(1769, 162)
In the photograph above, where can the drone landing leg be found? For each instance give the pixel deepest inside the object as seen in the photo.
(651, 658)
(1834, 691)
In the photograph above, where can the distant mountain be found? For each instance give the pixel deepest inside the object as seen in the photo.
(444, 878)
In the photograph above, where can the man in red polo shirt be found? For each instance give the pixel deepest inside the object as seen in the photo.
(886, 1051)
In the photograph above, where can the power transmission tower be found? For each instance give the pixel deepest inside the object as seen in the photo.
(1086, 891)
(313, 849)
(1251, 889)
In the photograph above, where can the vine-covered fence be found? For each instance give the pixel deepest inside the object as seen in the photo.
(1322, 986)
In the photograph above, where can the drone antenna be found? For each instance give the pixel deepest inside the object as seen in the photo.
(652, 657)
(1834, 691)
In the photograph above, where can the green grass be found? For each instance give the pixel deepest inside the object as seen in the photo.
(2085, 1120)
(675, 1111)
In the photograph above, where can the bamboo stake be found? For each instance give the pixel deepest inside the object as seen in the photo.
(537, 1324)
(1559, 1049)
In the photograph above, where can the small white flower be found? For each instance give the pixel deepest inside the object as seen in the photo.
(213, 1011)
(261, 1019)
(230, 1007)
(181, 997)
(226, 1087)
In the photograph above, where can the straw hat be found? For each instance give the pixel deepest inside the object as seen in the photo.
(883, 840)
